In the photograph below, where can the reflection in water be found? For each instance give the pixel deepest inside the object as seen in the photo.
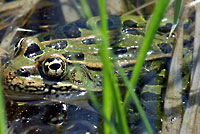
(50, 118)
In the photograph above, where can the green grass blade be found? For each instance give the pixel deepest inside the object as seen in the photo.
(177, 9)
(107, 92)
(110, 89)
(157, 15)
(96, 104)
(111, 92)
(107, 72)
(107, 86)
(114, 93)
(3, 126)
(86, 9)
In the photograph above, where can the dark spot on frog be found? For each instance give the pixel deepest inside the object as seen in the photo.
(113, 22)
(109, 22)
(166, 28)
(33, 50)
(186, 25)
(61, 44)
(10, 73)
(129, 23)
(31, 82)
(72, 31)
(188, 44)
(74, 56)
(132, 31)
(119, 50)
(88, 41)
(165, 47)
(23, 72)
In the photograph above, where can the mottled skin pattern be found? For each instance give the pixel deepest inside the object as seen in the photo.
(67, 65)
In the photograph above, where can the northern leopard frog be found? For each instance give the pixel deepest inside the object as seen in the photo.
(68, 61)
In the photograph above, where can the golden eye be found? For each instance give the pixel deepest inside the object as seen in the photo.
(54, 68)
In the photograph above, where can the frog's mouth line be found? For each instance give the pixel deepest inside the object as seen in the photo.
(59, 88)
(25, 96)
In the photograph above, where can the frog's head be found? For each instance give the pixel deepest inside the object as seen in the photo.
(37, 69)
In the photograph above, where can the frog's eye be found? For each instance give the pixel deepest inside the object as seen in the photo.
(18, 46)
(54, 68)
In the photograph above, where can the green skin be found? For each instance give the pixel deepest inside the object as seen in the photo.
(74, 74)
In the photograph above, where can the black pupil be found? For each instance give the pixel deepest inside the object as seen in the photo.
(54, 66)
